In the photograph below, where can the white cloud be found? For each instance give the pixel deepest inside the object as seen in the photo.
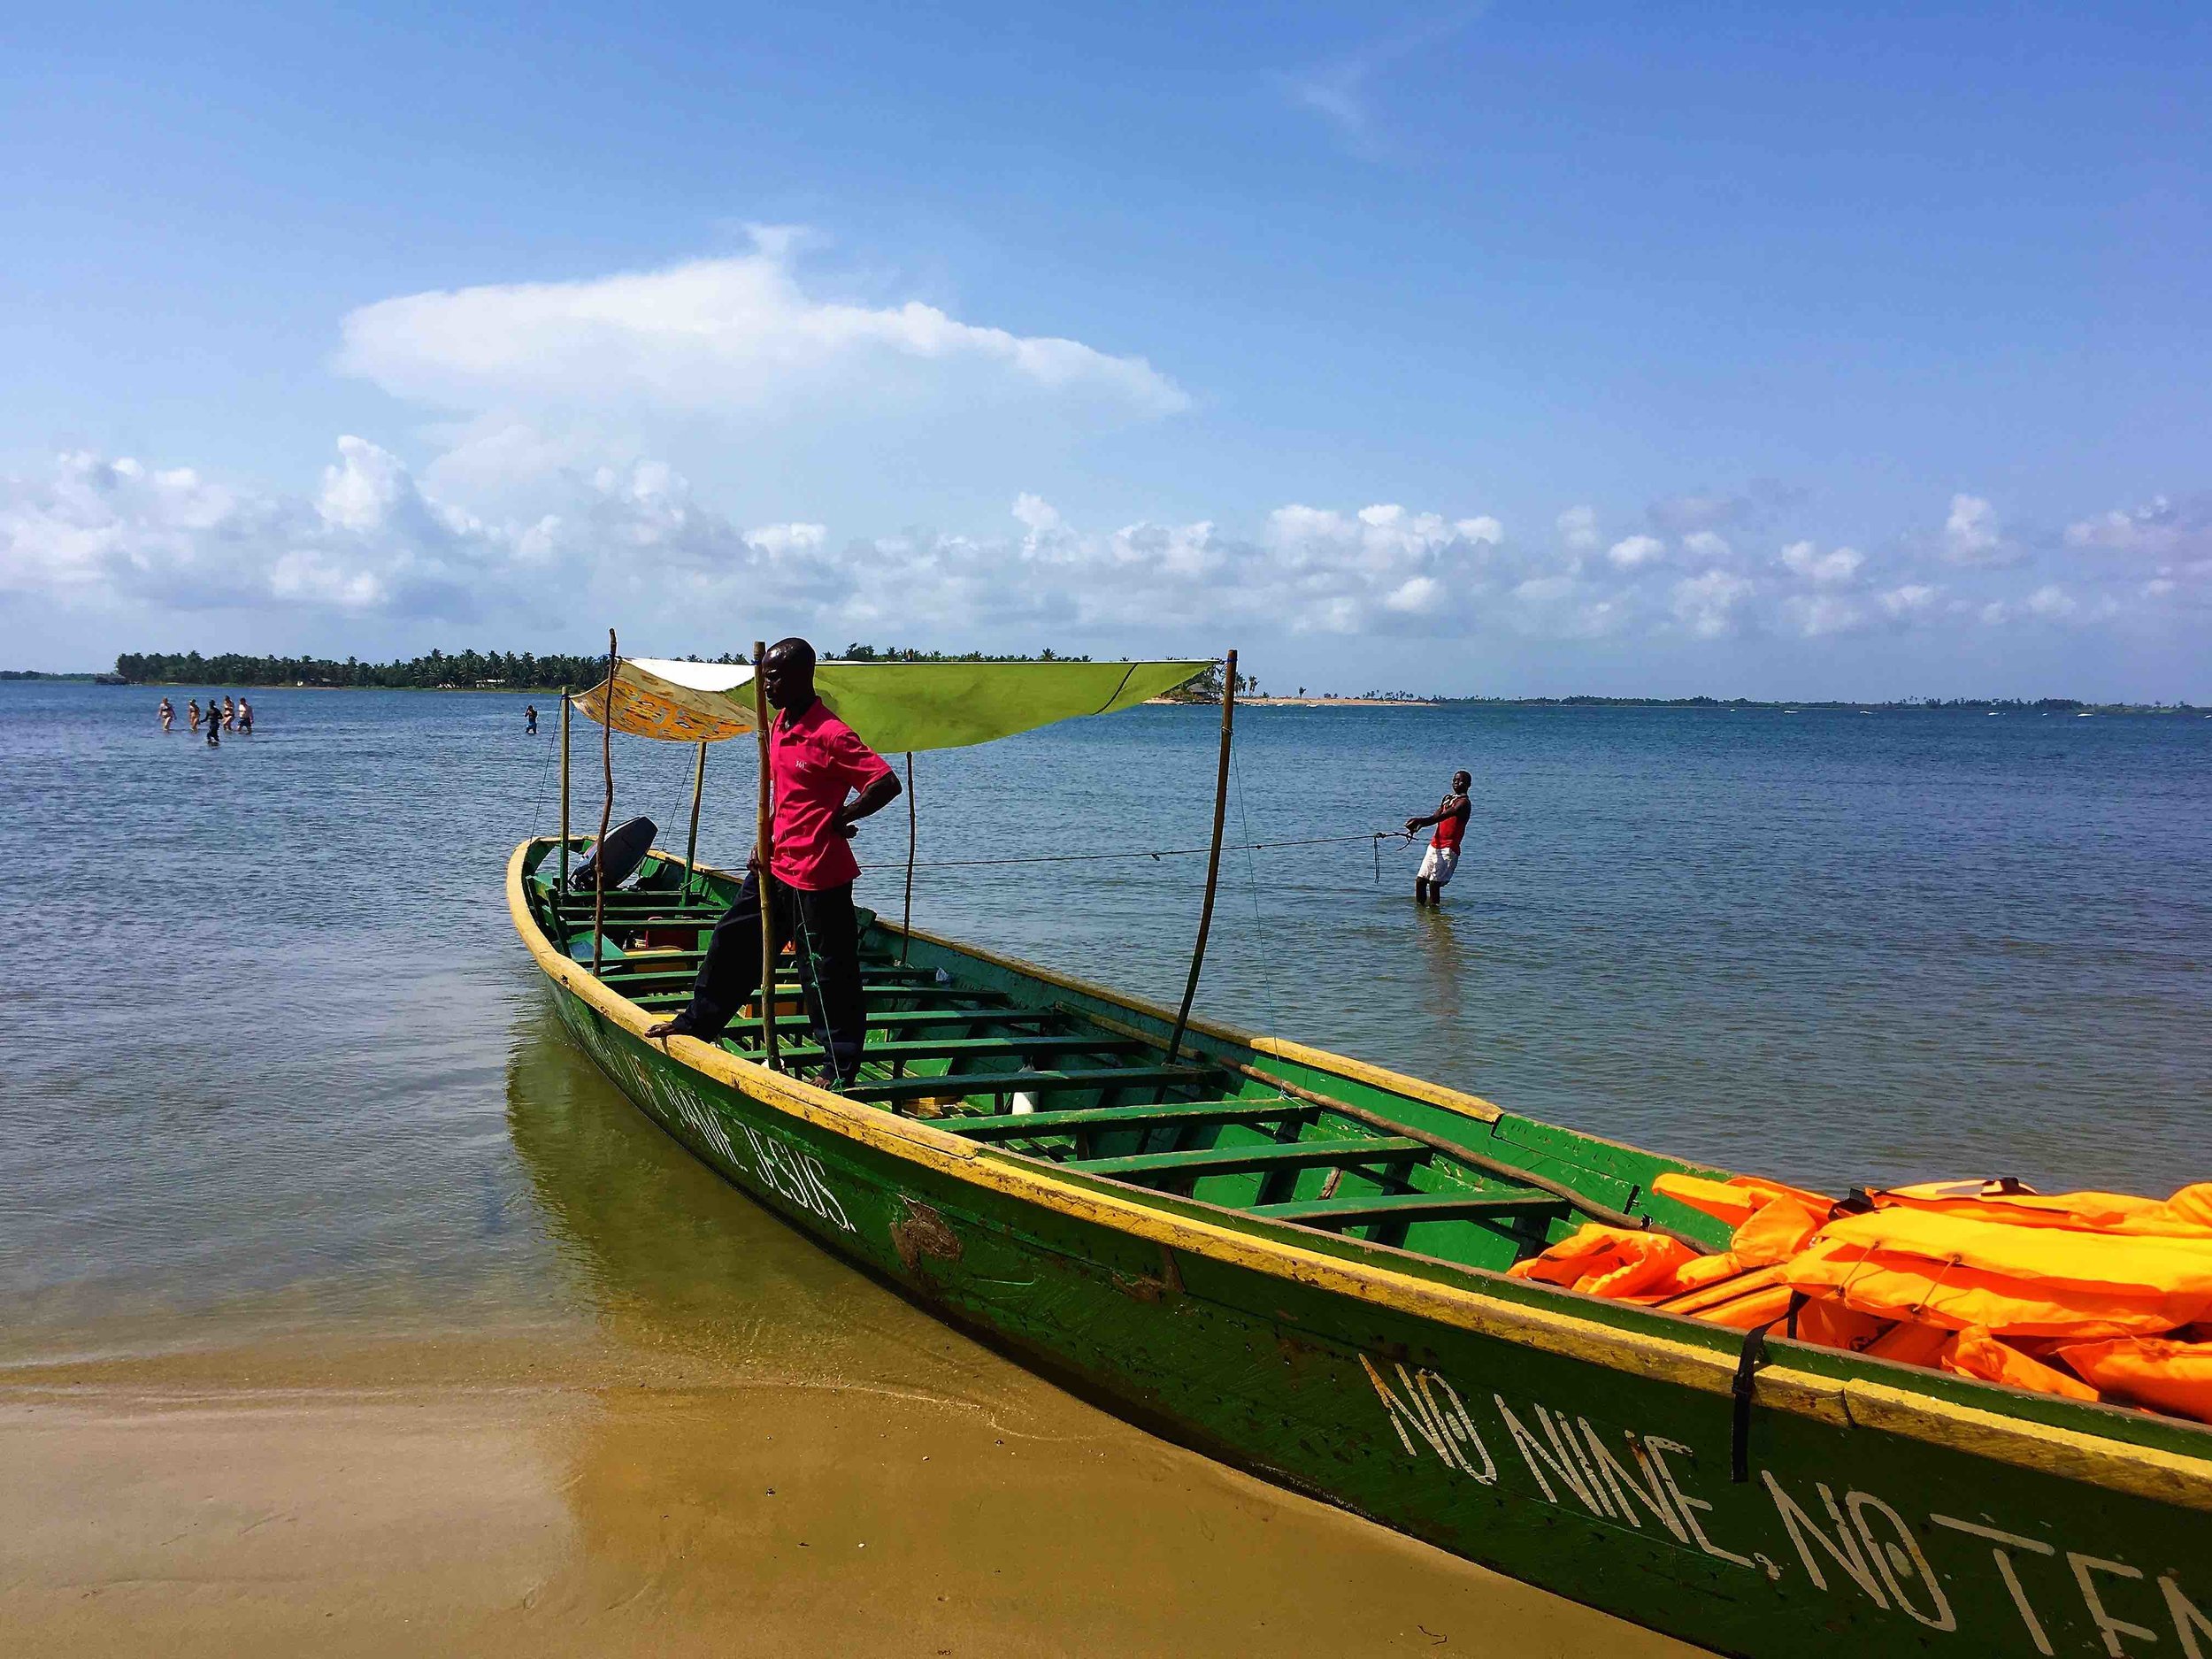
(1970, 534)
(1416, 596)
(1828, 570)
(631, 543)
(778, 541)
(1579, 529)
(2155, 527)
(1706, 604)
(737, 336)
(1707, 544)
(1813, 615)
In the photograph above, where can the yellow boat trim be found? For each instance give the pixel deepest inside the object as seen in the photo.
(2163, 1477)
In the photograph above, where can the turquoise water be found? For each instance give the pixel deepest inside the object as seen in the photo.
(271, 1050)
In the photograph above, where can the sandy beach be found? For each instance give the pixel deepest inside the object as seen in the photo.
(455, 1497)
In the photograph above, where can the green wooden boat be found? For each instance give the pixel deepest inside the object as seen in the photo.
(1294, 1261)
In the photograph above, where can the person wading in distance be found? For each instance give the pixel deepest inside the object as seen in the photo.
(825, 781)
(1442, 858)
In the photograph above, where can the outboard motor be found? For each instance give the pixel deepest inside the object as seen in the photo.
(623, 849)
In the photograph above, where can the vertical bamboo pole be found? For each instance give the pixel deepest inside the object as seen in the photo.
(763, 850)
(691, 841)
(906, 915)
(563, 887)
(1213, 856)
(606, 813)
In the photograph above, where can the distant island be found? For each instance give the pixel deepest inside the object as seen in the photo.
(525, 670)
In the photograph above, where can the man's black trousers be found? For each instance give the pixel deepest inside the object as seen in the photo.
(827, 945)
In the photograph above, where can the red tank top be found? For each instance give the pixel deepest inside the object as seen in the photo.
(1448, 830)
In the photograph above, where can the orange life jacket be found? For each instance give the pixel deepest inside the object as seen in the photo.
(2157, 1372)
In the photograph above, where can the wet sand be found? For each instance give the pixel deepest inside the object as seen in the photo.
(451, 1498)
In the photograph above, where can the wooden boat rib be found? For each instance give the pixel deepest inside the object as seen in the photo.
(1293, 1259)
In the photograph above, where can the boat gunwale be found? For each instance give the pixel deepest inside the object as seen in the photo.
(1475, 1299)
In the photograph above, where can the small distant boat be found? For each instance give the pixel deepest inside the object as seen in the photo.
(1296, 1261)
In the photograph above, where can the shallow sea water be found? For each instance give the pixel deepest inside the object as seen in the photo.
(277, 1081)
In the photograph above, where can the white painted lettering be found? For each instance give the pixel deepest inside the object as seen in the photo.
(819, 1181)
(1555, 1425)
(1414, 1411)
(1457, 1425)
(2005, 1541)
(1893, 1558)
(1624, 1486)
(2109, 1624)
(1689, 1506)
(1559, 1462)
(2189, 1618)
(1843, 1547)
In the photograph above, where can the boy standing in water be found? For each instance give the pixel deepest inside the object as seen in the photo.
(1442, 858)
(530, 721)
(214, 722)
(245, 718)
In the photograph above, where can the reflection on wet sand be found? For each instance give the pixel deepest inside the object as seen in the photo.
(741, 1445)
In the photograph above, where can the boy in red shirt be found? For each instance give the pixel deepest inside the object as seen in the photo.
(815, 763)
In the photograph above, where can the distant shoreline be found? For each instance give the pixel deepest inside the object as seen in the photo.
(1300, 703)
(1961, 705)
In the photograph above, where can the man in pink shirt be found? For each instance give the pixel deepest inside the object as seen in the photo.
(826, 780)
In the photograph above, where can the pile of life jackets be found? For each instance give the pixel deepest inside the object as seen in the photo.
(2092, 1295)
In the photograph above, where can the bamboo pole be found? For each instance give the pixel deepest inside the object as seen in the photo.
(1213, 856)
(563, 887)
(763, 850)
(606, 813)
(691, 841)
(906, 915)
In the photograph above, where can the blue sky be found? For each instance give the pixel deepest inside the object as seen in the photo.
(1500, 349)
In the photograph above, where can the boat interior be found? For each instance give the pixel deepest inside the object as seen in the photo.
(1027, 1071)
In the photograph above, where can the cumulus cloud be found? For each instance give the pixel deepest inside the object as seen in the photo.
(1910, 600)
(371, 540)
(1579, 529)
(1832, 569)
(1813, 615)
(1709, 545)
(1970, 534)
(733, 336)
(1706, 605)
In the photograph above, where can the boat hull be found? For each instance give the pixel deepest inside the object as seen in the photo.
(1519, 1430)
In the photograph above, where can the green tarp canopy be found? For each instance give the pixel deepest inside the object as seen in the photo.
(893, 706)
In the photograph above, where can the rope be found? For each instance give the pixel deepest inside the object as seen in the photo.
(1376, 836)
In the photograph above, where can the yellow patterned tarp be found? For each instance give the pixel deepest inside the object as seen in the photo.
(674, 703)
(892, 705)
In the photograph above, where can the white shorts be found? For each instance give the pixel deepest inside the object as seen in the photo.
(1437, 864)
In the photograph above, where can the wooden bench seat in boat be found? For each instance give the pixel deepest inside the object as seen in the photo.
(1263, 1155)
(964, 1084)
(963, 1048)
(1408, 1207)
(1017, 1126)
(882, 1019)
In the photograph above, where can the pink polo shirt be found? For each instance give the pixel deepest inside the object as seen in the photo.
(814, 762)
